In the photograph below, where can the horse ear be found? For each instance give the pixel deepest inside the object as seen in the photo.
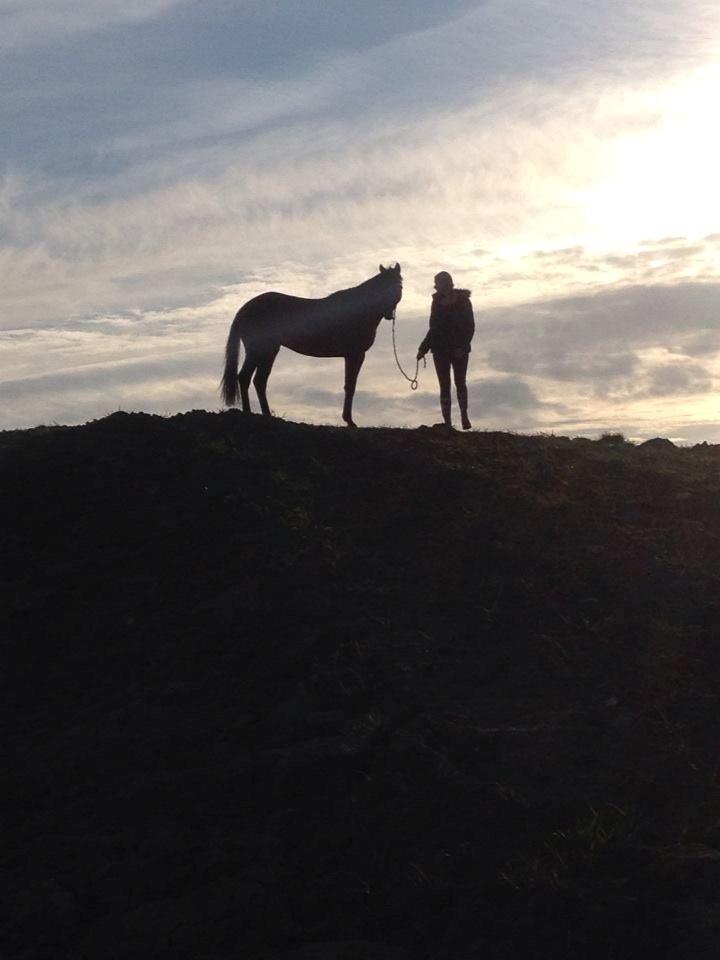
(382, 269)
(397, 268)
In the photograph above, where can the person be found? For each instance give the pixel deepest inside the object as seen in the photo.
(452, 326)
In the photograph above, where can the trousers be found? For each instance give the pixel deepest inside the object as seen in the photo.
(457, 361)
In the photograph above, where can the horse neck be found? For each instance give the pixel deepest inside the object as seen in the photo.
(367, 293)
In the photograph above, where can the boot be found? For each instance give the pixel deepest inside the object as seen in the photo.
(445, 409)
(462, 396)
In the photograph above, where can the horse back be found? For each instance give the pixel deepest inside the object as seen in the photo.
(270, 303)
(328, 327)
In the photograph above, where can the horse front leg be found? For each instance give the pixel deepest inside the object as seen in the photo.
(353, 363)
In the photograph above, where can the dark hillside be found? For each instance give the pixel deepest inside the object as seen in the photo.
(282, 691)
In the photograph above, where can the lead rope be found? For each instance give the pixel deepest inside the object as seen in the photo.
(413, 380)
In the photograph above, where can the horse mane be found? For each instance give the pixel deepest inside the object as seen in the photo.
(359, 286)
(389, 274)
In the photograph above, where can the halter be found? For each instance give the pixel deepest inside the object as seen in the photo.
(413, 380)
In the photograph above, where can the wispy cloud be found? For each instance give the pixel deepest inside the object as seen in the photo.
(35, 22)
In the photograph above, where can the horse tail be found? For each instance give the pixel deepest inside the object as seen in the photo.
(229, 384)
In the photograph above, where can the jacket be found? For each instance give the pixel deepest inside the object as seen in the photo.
(452, 324)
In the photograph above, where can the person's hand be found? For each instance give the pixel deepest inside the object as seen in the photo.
(420, 355)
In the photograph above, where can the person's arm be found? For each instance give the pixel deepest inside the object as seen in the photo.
(468, 322)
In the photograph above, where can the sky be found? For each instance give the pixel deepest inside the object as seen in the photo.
(165, 160)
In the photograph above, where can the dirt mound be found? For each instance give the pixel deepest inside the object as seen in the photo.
(274, 690)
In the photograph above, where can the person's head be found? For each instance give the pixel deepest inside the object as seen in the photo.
(443, 282)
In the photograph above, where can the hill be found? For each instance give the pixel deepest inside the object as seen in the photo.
(282, 691)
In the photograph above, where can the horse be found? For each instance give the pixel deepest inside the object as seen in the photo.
(342, 324)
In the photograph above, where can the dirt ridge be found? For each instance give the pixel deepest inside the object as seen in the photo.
(276, 690)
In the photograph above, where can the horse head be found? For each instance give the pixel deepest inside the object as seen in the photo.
(392, 280)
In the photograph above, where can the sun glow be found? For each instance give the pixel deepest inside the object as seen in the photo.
(662, 179)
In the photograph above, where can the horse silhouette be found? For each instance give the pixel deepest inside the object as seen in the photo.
(342, 324)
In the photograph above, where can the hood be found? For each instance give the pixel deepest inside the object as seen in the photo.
(459, 294)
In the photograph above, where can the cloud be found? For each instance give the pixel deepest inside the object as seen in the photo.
(670, 379)
(36, 22)
(616, 350)
(504, 394)
(107, 376)
(703, 344)
(319, 195)
(570, 365)
(609, 321)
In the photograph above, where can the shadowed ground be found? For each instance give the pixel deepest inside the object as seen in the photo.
(284, 691)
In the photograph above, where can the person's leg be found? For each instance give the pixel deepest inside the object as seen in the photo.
(442, 368)
(460, 365)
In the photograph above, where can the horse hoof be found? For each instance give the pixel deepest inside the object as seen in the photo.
(351, 423)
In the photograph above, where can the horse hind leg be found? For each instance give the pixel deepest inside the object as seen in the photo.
(244, 378)
(264, 366)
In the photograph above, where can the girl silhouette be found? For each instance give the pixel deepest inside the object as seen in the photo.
(452, 326)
